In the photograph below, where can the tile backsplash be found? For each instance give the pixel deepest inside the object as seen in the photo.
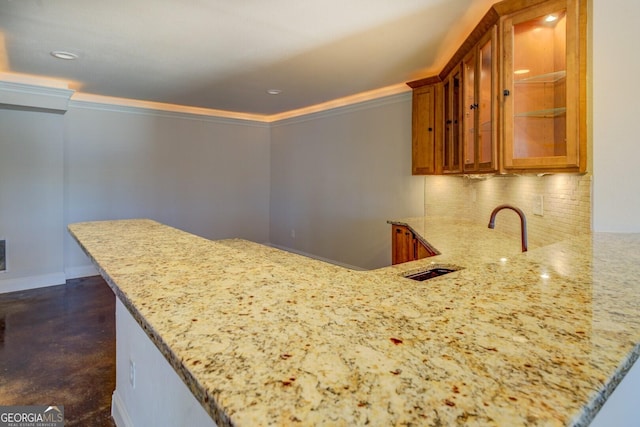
(566, 202)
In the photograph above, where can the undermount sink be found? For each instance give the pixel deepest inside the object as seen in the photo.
(430, 273)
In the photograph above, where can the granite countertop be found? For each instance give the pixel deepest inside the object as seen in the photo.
(266, 337)
(463, 241)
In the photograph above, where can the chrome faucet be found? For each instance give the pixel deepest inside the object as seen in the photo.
(523, 222)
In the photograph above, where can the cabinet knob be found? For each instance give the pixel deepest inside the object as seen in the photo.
(430, 129)
(506, 92)
(473, 106)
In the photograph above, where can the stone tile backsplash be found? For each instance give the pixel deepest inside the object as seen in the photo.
(566, 202)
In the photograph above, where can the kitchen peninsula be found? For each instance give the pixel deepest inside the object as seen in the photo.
(265, 337)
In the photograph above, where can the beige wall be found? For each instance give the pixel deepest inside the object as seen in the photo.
(566, 203)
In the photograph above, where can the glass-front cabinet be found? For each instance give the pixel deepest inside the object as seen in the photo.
(541, 88)
(452, 147)
(512, 99)
(480, 108)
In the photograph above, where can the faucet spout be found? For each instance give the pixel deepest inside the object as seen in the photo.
(523, 223)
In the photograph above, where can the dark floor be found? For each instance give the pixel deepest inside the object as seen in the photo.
(58, 347)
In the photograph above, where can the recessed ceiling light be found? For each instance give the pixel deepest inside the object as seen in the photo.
(274, 91)
(550, 18)
(62, 54)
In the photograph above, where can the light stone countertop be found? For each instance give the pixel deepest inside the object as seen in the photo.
(266, 337)
(463, 241)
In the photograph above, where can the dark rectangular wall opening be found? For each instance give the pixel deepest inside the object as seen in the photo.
(3, 258)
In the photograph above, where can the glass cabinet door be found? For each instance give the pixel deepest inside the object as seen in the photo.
(479, 121)
(540, 94)
(452, 153)
(486, 119)
(470, 109)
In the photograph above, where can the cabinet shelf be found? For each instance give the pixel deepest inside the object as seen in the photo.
(544, 114)
(553, 77)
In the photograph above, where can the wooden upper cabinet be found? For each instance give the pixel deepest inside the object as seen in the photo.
(512, 99)
(543, 71)
(480, 112)
(425, 131)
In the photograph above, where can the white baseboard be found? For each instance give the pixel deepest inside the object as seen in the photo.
(82, 271)
(319, 258)
(119, 411)
(31, 282)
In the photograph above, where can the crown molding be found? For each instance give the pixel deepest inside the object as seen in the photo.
(26, 96)
(56, 98)
(338, 104)
(362, 105)
(130, 106)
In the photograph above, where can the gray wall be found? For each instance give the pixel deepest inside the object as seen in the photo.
(338, 176)
(204, 175)
(209, 176)
(31, 188)
(335, 178)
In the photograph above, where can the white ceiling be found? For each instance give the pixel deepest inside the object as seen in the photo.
(225, 54)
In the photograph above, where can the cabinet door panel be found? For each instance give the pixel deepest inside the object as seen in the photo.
(451, 148)
(402, 245)
(486, 106)
(480, 106)
(424, 131)
(422, 251)
(470, 108)
(542, 88)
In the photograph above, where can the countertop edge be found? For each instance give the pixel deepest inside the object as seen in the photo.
(591, 409)
(200, 394)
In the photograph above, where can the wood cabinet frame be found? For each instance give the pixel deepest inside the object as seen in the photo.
(575, 158)
(498, 17)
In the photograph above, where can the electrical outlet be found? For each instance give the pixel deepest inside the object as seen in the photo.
(132, 373)
(538, 205)
(293, 233)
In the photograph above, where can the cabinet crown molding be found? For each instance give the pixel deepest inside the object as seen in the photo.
(492, 17)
